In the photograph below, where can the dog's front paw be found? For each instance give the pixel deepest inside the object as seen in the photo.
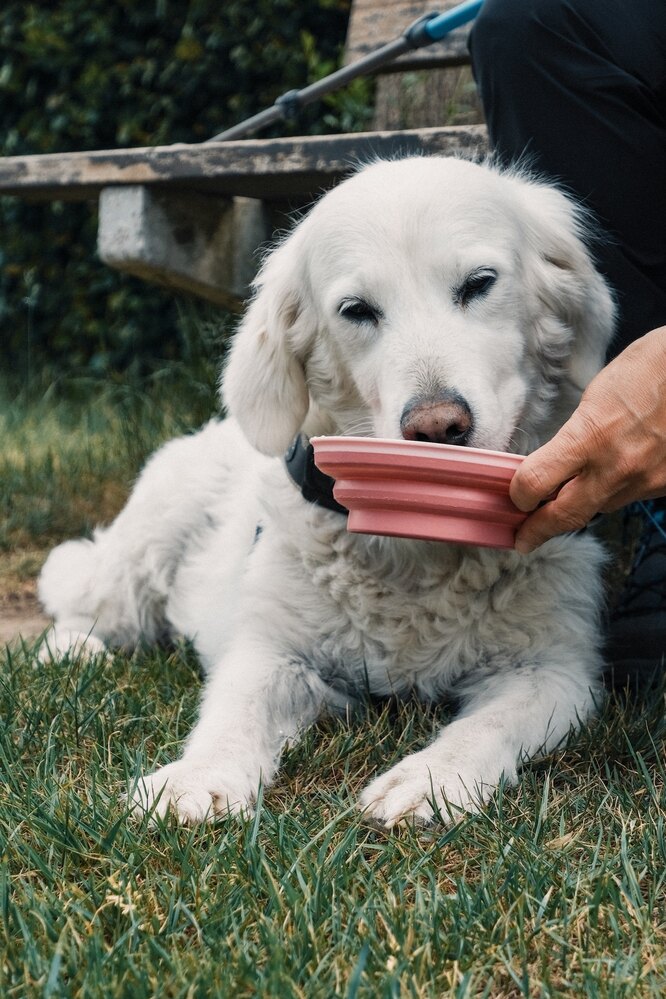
(194, 792)
(421, 789)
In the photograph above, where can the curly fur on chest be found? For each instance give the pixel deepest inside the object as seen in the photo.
(398, 614)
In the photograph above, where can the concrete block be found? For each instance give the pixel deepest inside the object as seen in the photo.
(199, 243)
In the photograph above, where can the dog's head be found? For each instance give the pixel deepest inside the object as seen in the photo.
(427, 298)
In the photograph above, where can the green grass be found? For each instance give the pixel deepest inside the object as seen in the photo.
(556, 888)
(69, 455)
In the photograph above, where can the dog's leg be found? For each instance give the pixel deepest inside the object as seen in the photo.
(510, 716)
(255, 702)
(69, 586)
(113, 589)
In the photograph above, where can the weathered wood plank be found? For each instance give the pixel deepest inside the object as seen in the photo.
(375, 22)
(270, 169)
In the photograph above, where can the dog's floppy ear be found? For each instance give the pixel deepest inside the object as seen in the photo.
(567, 282)
(263, 385)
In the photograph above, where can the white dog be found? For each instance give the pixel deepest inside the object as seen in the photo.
(428, 298)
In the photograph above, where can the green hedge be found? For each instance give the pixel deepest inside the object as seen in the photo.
(95, 74)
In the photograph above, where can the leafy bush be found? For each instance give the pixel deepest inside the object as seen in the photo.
(83, 74)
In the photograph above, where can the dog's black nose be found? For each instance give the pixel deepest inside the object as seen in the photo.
(446, 420)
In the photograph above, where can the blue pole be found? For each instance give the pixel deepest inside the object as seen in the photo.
(439, 26)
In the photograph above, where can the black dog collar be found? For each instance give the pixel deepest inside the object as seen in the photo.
(315, 486)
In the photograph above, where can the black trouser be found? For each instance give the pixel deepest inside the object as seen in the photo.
(578, 89)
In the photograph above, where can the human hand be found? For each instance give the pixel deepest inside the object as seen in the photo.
(610, 452)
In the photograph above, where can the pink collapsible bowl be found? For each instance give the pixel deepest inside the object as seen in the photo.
(415, 489)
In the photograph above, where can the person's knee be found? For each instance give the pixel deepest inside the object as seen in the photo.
(507, 33)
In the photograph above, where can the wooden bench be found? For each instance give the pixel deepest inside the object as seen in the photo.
(192, 217)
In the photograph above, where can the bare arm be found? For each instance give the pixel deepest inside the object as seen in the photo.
(611, 451)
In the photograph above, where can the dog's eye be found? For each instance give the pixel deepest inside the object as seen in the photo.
(475, 285)
(358, 311)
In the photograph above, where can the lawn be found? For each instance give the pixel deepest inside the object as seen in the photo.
(557, 887)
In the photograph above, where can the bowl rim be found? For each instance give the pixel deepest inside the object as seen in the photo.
(357, 444)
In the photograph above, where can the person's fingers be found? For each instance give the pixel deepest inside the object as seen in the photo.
(610, 452)
(543, 471)
(570, 510)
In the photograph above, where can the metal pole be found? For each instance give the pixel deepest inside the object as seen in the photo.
(426, 30)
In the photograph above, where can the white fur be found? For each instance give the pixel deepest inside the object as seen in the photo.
(303, 616)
